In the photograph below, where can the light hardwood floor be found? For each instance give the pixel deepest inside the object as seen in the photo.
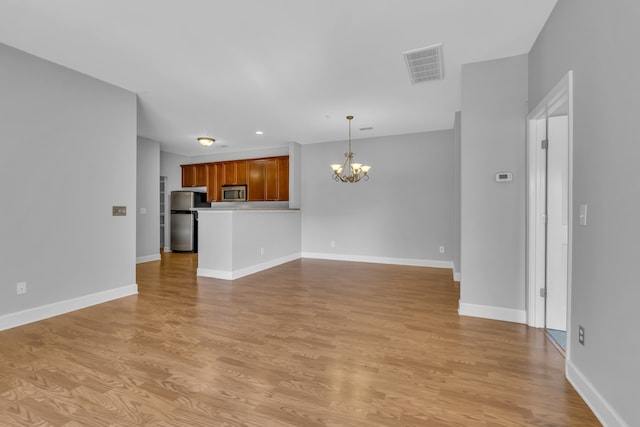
(309, 343)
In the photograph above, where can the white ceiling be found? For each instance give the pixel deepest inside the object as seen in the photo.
(291, 68)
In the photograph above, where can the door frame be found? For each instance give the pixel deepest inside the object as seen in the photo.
(560, 97)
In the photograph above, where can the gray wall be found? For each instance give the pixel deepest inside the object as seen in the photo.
(598, 41)
(67, 155)
(148, 201)
(494, 109)
(405, 211)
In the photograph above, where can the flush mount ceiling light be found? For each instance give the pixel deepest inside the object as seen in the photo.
(206, 140)
(356, 171)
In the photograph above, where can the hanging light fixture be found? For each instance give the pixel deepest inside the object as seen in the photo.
(355, 171)
(206, 141)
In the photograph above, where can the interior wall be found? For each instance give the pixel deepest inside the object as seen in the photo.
(403, 214)
(148, 200)
(598, 41)
(68, 154)
(494, 110)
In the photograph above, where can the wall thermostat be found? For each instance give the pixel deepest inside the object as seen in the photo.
(504, 177)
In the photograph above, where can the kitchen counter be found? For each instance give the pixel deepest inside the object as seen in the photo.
(237, 209)
(237, 241)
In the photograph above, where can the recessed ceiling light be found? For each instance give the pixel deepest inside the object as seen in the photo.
(259, 132)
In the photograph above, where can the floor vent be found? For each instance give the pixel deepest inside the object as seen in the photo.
(425, 64)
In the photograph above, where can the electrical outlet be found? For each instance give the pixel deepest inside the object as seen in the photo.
(332, 243)
(582, 219)
(581, 334)
(441, 249)
(261, 251)
(21, 288)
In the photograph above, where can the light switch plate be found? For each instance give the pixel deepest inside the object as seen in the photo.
(119, 211)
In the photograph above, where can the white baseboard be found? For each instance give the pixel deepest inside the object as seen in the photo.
(236, 274)
(147, 258)
(31, 315)
(167, 249)
(380, 260)
(600, 407)
(214, 274)
(457, 276)
(495, 313)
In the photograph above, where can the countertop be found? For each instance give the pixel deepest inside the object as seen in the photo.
(243, 209)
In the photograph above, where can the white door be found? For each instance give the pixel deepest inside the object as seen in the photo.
(557, 222)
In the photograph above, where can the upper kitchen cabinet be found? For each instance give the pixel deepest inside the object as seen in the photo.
(213, 187)
(194, 175)
(283, 178)
(233, 173)
(268, 179)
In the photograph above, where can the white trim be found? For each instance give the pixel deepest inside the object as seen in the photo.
(236, 274)
(31, 315)
(214, 274)
(380, 260)
(457, 276)
(600, 407)
(252, 269)
(167, 249)
(559, 96)
(489, 312)
(148, 258)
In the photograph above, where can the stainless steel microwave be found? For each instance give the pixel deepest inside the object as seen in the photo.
(234, 193)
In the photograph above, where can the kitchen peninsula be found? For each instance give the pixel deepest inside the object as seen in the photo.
(237, 242)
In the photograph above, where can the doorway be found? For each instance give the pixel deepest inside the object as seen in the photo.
(549, 210)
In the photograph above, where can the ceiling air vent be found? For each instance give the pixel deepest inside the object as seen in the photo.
(425, 64)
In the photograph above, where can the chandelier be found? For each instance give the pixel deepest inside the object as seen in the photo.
(356, 171)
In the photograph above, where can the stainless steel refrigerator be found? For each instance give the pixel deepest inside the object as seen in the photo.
(184, 221)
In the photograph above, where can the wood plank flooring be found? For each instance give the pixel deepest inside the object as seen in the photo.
(308, 343)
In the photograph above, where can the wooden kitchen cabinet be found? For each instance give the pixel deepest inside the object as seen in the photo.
(234, 173)
(268, 179)
(213, 188)
(283, 178)
(255, 180)
(194, 175)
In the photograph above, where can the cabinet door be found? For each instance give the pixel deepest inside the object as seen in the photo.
(229, 172)
(220, 176)
(256, 180)
(271, 179)
(283, 178)
(200, 175)
(188, 175)
(194, 175)
(235, 173)
(241, 172)
(213, 189)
